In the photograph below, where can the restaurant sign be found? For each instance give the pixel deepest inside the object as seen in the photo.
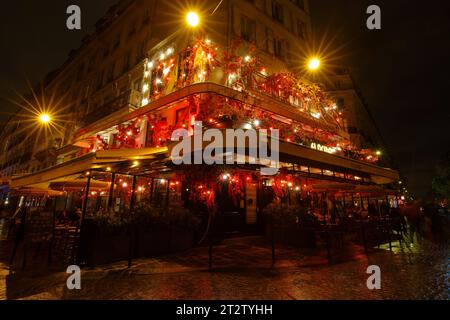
(322, 148)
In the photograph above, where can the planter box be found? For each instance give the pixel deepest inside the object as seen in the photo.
(181, 240)
(151, 242)
(293, 236)
(99, 247)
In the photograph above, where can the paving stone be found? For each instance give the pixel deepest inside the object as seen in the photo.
(243, 270)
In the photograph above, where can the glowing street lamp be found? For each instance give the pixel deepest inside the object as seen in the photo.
(45, 118)
(193, 19)
(314, 64)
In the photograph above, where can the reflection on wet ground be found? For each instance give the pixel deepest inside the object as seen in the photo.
(243, 270)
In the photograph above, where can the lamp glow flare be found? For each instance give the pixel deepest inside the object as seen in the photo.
(314, 64)
(45, 118)
(193, 19)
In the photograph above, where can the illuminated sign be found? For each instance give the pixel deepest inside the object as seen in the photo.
(322, 148)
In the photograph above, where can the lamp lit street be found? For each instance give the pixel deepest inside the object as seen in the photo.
(223, 150)
(419, 270)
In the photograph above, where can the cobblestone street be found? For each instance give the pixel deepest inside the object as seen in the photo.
(242, 270)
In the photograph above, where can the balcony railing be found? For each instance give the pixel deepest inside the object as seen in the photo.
(129, 99)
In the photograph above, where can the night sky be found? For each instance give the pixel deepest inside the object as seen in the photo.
(403, 70)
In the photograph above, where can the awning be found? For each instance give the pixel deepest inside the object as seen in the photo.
(92, 161)
(331, 187)
(126, 157)
(36, 192)
(303, 155)
(337, 187)
(77, 185)
(59, 171)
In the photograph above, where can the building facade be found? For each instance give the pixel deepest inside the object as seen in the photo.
(107, 69)
(144, 73)
(359, 121)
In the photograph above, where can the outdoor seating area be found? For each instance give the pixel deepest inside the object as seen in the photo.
(120, 209)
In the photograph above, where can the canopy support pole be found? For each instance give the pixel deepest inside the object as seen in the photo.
(83, 217)
(131, 223)
(111, 191)
(52, 240)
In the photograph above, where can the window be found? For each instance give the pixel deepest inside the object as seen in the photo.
(137, 84)
(299, 3)
(146, 18)
(352, 130)
(269, 41)
(337, 84)
(100, 79)
(91, 63)
(132, 31)
(301, 29)
(182, 117)
(126, 61)
(277, 11)
(140, 53)
(106, 51)
(110, 74)
(278, 48)
(328, 173)
(248, 29)
(340, 175)
(116, 43)
(80, 72)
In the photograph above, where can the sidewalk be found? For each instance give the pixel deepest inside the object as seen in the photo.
(243, 270)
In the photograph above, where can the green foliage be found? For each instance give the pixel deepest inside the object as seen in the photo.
(441, 181)
(172, 216)
(111, 220)
(148, 216)
(289, 215)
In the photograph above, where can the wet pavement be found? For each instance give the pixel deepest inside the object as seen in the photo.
(243, 270)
